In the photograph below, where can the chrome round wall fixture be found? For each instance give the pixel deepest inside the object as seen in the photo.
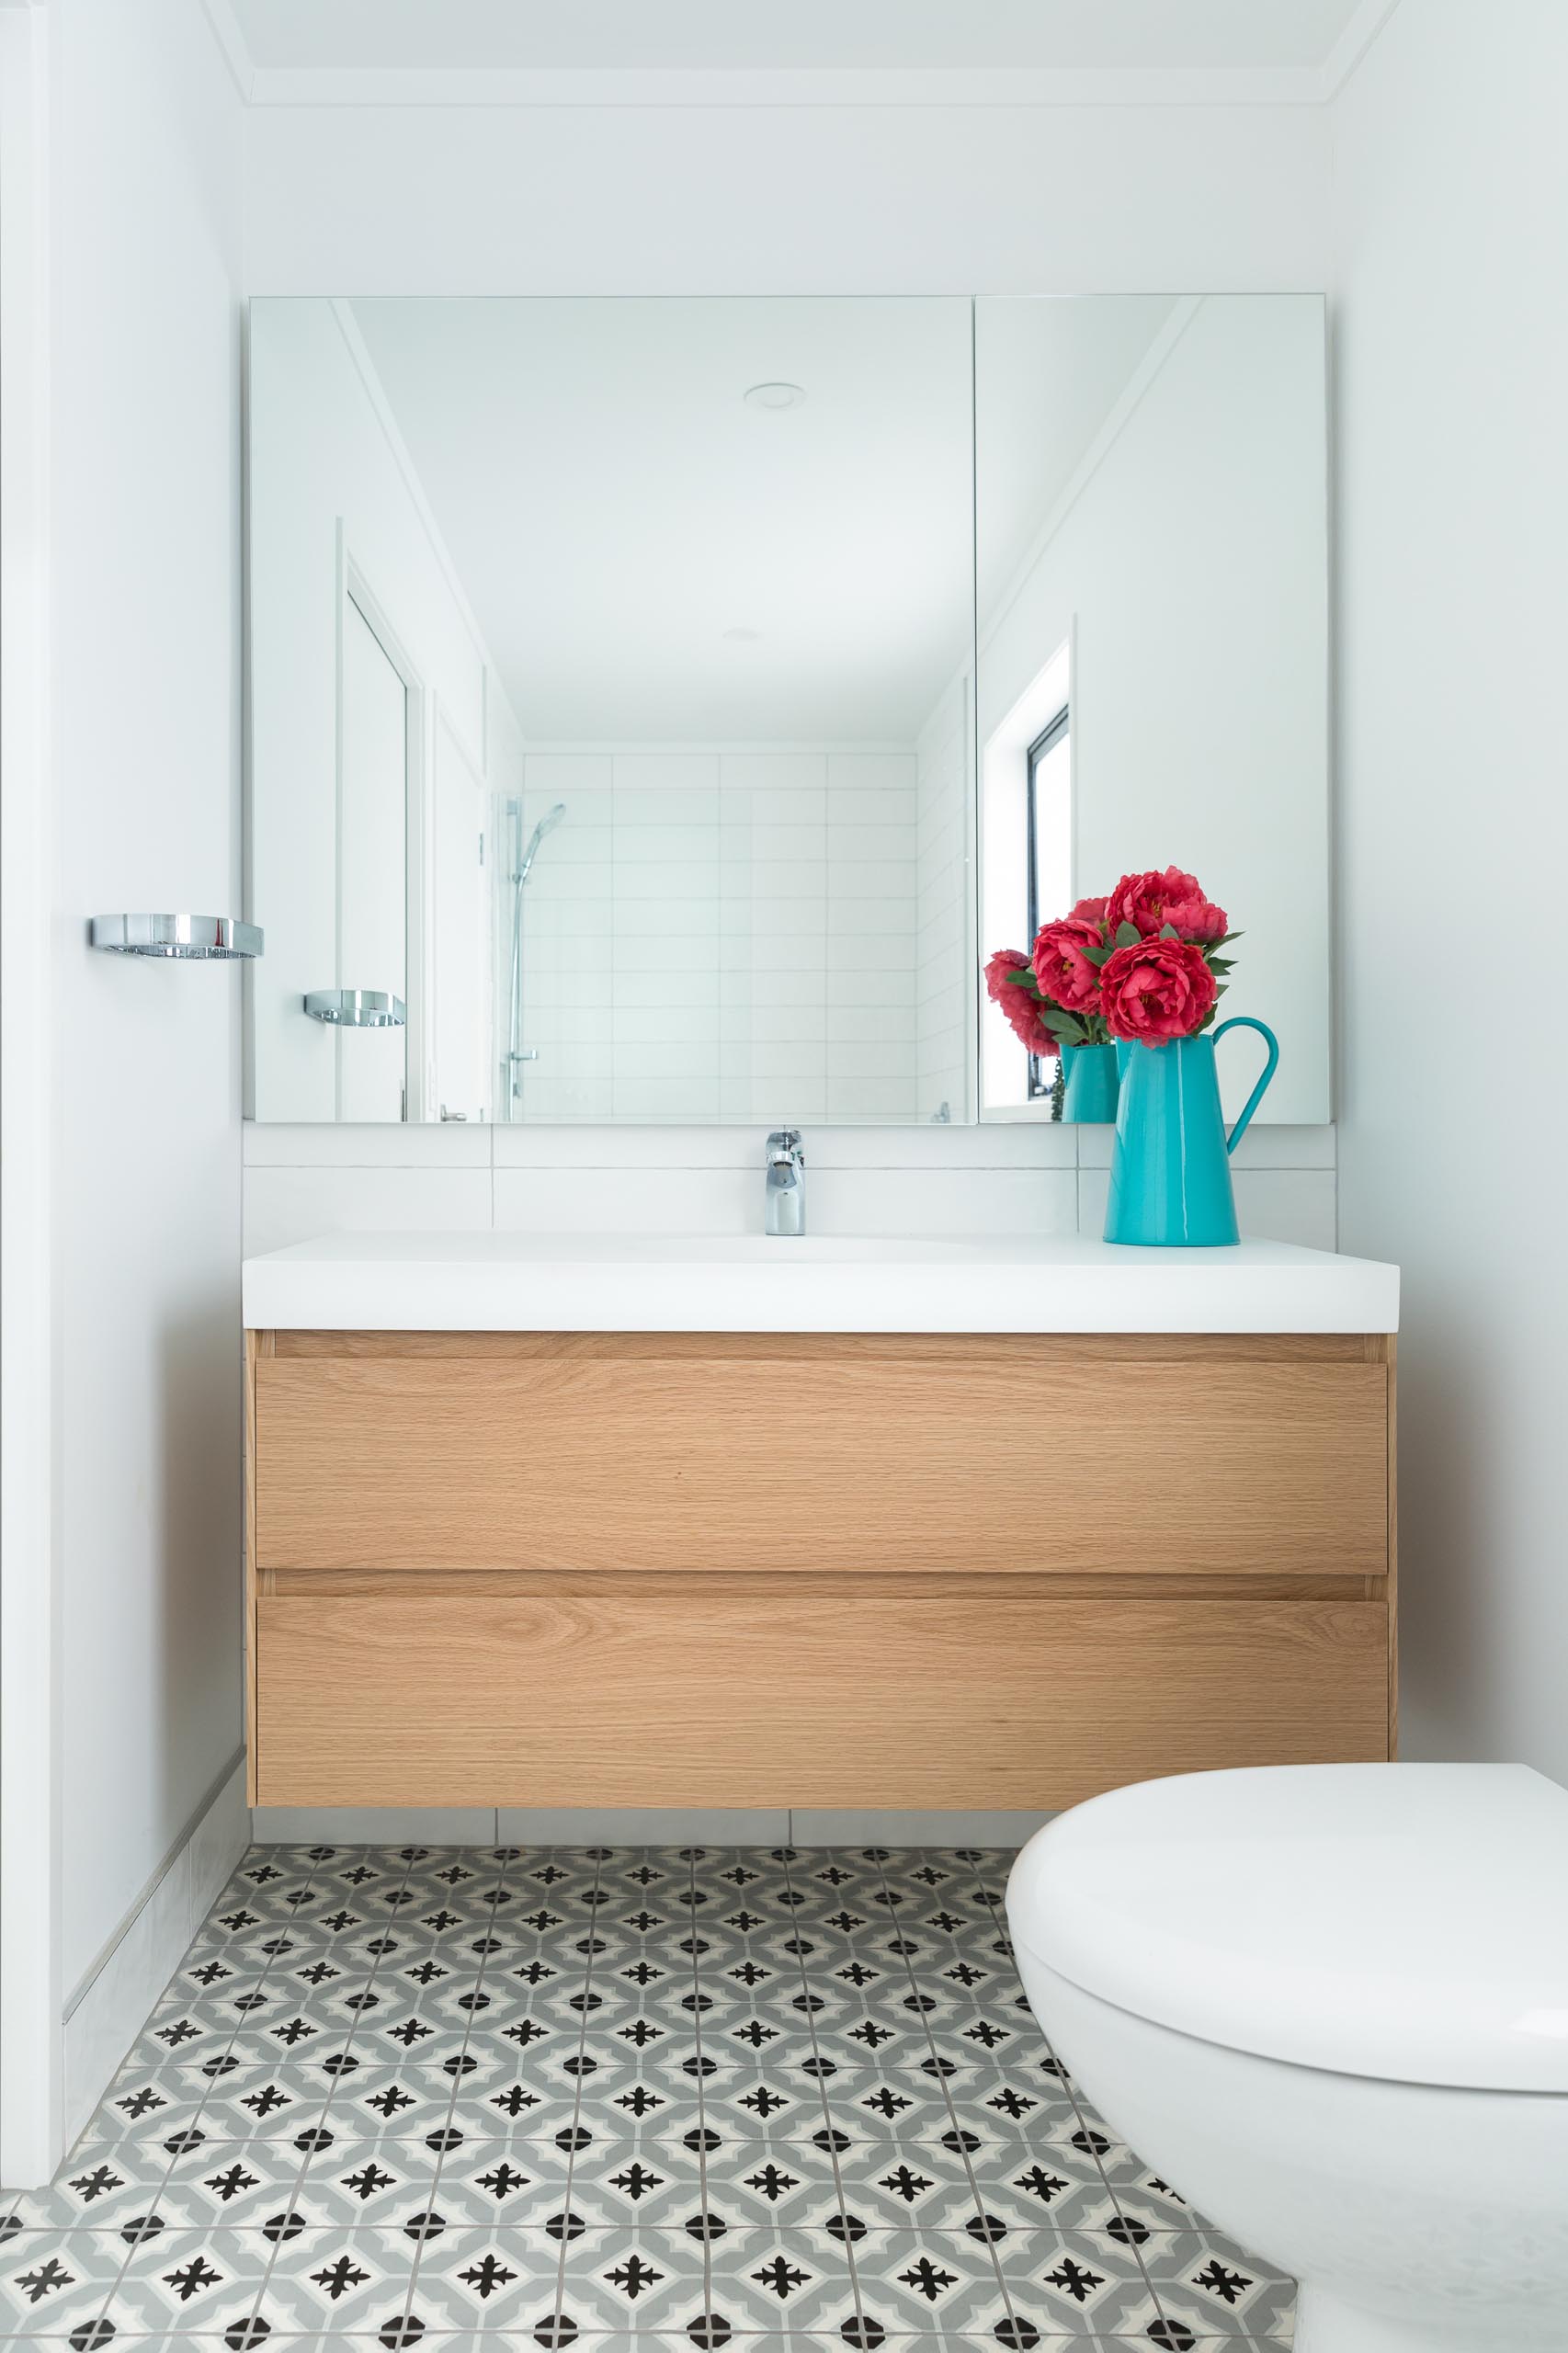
(193, 937)
(357, 1008)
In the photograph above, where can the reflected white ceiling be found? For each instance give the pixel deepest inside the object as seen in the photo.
(617, 512)
(1194, 35)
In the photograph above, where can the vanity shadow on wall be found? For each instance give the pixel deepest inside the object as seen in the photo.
(642, 693)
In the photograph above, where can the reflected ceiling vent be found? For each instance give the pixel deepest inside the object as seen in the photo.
(357, 1008)
(194, 937)
(776, 397)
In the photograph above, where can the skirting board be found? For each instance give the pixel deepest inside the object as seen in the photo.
(115, 1998)
(635, 1826)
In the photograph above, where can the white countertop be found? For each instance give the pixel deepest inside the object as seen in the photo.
(529, 1282)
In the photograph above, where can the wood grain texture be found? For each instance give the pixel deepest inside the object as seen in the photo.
(774, 1701)
(1024, 1349)
(1009, 1457)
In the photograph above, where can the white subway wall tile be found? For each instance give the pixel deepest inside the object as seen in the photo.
(903, 1200)
(870, 772)
(873, 878)
(666, 772)
(284, 1205)
(326, 1146)
(773, 773)
(620, 1200)
(886, 841)
(638, 845)
(870, 1098)
(665, 804)
(556, 776)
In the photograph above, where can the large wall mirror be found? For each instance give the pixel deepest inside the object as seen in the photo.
(659, 709)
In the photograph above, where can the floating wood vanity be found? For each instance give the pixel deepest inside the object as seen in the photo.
(494, 1558)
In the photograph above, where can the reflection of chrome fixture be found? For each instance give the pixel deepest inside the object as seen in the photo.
(193, 937)
(785, 1199)
(515, 1056)
(357, 1008)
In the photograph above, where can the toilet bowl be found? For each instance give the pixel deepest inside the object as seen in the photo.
(1331, 2003)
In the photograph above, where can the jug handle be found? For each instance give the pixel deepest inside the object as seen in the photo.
(1245, 1021)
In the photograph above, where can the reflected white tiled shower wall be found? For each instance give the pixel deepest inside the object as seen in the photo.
(721, 934)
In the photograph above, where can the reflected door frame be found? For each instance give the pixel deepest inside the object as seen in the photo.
(355, 588)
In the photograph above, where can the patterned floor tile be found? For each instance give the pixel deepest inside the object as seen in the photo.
(673, 2097)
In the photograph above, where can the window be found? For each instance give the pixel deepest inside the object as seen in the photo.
(1046, 797)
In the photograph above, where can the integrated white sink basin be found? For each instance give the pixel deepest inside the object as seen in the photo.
(523, 1283)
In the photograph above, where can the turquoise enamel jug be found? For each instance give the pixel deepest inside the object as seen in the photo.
(1170, 1167)
(1091, 1089)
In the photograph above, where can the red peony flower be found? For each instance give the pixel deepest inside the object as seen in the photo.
(1162, 988)
(998, 987)
(1151, 901)
(1019, 1003)
(1090, 911)
(1062, 970)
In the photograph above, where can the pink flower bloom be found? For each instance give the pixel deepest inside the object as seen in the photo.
(998, 987)
(1019, 1003)
(1090, 911)
(1151, 901)
(1161, 989)
(1063, 971)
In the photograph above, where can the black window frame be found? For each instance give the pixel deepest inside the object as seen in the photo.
(1049, 736)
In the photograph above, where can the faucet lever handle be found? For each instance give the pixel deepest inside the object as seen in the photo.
(784, 1145)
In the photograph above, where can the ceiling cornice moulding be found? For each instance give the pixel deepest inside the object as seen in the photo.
(653, 86)
(782, 86)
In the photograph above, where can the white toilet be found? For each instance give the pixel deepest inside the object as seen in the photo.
(1330, 2002)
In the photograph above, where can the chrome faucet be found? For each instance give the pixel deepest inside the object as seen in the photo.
(786, 1198)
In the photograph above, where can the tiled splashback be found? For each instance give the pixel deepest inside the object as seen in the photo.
(716, 933)
(582, 1179)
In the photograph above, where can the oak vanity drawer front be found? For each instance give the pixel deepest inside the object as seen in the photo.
(777, 1700)
(826, 1457)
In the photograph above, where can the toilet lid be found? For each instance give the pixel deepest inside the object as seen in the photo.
(1409, 1921)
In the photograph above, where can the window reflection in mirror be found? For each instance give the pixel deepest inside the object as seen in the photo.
(1150, 515)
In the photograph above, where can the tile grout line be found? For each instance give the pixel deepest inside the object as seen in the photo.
(254, 2327)
(1005, 1947)
(560, 2331)
(318, 1857)
(878, 1854)
(499, 1894)
(694, 1941)
(787, 1857)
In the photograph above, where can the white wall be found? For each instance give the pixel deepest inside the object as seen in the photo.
(145, 231)
(720, 934)
(787, 200)
(1452, 196)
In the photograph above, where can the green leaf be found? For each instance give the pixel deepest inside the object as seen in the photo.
(1098, 956)
(1169, 931)
(1128, 934)
(1221, 964)
(1023, 978)
(1062, 1024)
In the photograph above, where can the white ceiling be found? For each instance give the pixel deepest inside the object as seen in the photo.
(1147, 35)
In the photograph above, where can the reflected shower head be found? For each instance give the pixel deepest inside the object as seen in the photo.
(546, 825)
